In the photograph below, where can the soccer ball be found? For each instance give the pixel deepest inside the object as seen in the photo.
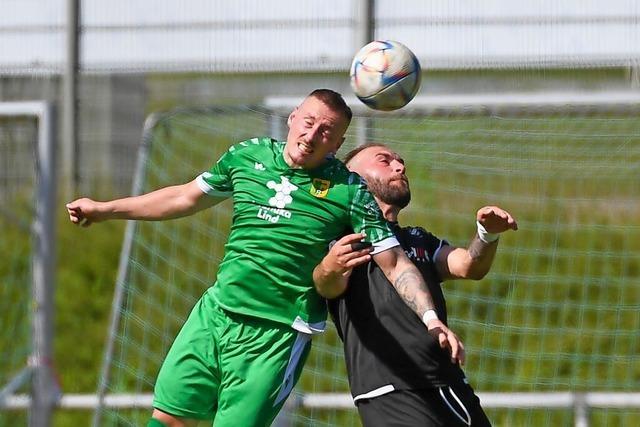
(385, 75)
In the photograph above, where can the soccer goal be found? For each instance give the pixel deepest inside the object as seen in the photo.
(27, 246)
(551, 333)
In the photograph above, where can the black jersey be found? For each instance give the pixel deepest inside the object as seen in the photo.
(386, 345)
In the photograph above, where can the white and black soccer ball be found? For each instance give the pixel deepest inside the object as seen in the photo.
(385, 75)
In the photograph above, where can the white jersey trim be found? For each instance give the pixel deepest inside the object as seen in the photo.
(435, 254)
(467, 418)
(434, 260)
(385, 389)
(308, 328)
(209, 190)
(383, 245)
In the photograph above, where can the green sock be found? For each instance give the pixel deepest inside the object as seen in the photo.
(155, 423)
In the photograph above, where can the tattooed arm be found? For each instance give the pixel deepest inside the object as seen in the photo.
(475, 261)
(412, 289)
(406, 278)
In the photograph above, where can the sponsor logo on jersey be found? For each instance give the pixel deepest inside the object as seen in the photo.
(417, 254)
(320, 187)
(279, 201)
(415, 232)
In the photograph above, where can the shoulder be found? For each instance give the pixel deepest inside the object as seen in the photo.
(421, 244)
(416, 231)
(251, 151)
(420, 233)
(336, 175)
(253, 145)
(337, 171)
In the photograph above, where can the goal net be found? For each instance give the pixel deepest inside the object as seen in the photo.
(559, 310)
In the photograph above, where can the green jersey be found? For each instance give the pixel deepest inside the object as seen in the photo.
(283, 222)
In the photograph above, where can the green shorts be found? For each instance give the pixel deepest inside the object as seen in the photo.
(229, 367)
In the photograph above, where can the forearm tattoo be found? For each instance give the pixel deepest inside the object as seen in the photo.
(477, 248)
(411, 287)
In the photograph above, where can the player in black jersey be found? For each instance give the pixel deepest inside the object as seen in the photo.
(398, 375)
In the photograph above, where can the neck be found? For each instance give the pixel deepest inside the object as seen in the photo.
(289, 161)
(293, 165)
(390, 212)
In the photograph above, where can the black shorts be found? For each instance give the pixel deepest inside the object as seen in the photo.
(436, 407)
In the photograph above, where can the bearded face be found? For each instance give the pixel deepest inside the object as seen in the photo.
(393, 191)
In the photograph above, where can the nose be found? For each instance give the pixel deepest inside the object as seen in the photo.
(312, 134)
(398, 166)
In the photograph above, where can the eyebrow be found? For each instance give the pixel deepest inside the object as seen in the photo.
(325, 121)
(388, 155)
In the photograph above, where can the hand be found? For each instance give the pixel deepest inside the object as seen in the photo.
(345, 255)
(83, 212)
(496, 220)
(447, 339)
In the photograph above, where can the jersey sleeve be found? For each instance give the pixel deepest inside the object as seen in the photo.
(217, 180)
(366, 216)
(431, 244)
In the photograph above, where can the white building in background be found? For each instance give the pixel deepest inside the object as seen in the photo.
(293, 35)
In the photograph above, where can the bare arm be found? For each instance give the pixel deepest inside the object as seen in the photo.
(475, 261)
(331, 276)
(412, 289)
(166, 203)
(406, 278)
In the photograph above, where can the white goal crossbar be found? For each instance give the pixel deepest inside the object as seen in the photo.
(521, 400)
(581, 403)
(485, 103)
(503, 101)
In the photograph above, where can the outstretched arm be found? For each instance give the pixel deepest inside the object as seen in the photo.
(475, 261)
(166, 203)
(412, 289)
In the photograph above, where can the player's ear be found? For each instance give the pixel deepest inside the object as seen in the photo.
(291, 116)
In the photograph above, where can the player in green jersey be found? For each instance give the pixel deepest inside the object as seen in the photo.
(242, 348)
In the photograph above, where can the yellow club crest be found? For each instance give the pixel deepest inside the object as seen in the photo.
(320, 187)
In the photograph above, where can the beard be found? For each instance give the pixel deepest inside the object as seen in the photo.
(394, 192)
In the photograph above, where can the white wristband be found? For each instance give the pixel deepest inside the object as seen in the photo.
(428, 316)
(485, 236)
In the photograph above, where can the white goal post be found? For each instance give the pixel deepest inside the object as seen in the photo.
(37, 368)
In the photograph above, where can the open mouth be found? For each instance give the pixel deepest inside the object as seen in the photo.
(305, 148)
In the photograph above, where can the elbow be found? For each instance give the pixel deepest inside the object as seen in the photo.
(475, 268)
(330, 289)
(329, 292)
(476, 273)
(479, 275)
(328, 286)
